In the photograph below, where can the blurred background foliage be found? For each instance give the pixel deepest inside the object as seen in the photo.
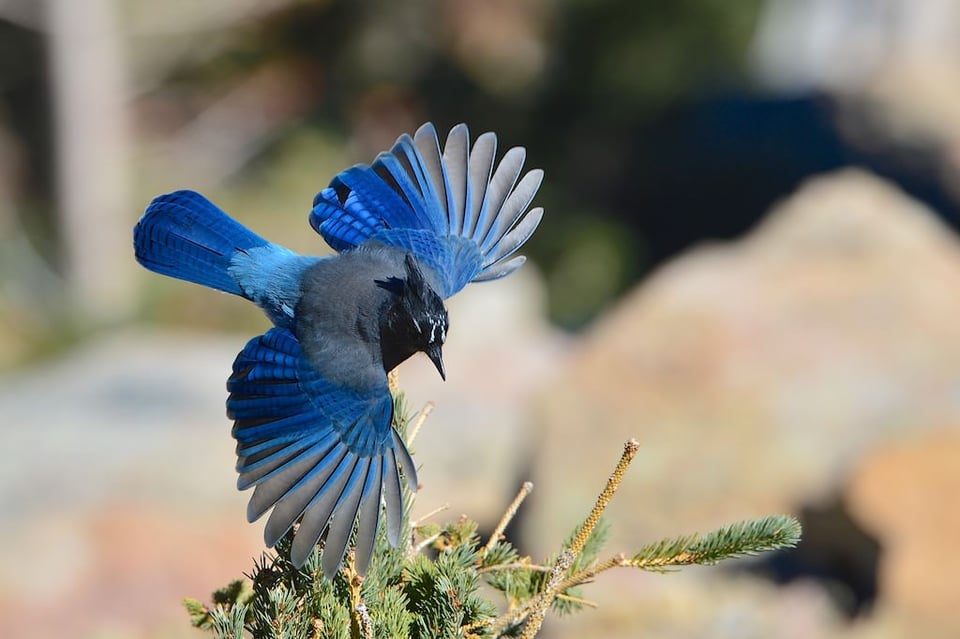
(659, 124)
(262, 103)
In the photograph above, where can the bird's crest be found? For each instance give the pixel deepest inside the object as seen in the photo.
(425, 304)
(419, 302)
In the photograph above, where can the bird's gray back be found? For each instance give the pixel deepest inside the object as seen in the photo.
(338, 316)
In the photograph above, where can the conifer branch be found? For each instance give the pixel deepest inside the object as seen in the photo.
(418, 422)
(436, 511)
(508, 516)
(630, 449)
(734, 540)
(539, 609)
(748, 537)
(535, 608)
(366, 623)
(360, 625)
(580, 601)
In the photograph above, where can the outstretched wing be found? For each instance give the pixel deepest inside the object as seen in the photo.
(314, 451)
(451, 209)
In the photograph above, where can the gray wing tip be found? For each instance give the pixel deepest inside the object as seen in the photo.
(406, 462)
(253, 513)
(459, 129)
(426, 128)
(500, 270)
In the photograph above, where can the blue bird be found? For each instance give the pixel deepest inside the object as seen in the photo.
(311, 406)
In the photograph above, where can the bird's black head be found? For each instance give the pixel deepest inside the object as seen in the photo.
(414, 320)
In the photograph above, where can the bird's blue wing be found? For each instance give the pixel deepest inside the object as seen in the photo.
(453, 210)
(314, 451)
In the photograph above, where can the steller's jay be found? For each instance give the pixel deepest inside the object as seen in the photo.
(309, 398)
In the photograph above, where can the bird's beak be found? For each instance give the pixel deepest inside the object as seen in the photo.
(436, 357)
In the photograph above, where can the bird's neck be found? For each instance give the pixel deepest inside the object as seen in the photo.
(394, 355)
(394, 347)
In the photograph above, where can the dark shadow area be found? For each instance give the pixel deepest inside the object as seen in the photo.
(835, 551)
(709, 169)
(713, 168)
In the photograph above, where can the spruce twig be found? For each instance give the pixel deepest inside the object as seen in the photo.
(630, 449)
(360, 625)
(540, 604)
(418, 422)
(436, 511)
(535, 608)
(735, 540)
(508, 516)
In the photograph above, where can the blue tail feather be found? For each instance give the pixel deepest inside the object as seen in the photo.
(287, 482)
(185, 235)
(392, 497)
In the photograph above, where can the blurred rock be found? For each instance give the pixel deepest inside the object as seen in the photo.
(906, 494)
(117, 492)
(699, 603)
(757, 375)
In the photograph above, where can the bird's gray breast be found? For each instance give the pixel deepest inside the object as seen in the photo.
(338, 315)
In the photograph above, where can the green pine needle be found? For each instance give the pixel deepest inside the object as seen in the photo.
(748, 537)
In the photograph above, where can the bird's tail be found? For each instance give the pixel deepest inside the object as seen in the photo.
(185, 235)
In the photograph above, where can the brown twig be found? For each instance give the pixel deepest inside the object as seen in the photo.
(535, 608)
(507, 518)
(418, 421)
(361, 626)
(630, 449)
(539, 610)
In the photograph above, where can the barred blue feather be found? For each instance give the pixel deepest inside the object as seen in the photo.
(185, 235)
(313, 449)
(451, 210)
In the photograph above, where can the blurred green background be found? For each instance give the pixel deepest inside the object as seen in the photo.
(662, 292)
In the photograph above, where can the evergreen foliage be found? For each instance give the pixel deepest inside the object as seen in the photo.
(431, 586)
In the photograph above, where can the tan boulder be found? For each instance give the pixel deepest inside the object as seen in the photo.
(906, 494)
(758, 374)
